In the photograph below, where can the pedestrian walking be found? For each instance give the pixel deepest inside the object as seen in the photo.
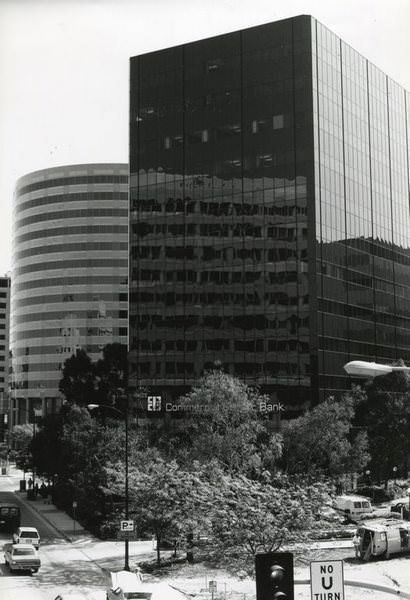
(356, 544)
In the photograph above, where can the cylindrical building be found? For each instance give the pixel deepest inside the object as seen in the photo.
(69, 278)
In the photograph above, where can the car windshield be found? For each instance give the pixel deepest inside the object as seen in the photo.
(23, 551)
(29, 534)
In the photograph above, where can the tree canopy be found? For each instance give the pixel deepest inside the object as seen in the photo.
(324, 440)
(221, 421)
(79, 382)
(384, 412)
(85, 382)
(262, 515)
(164, 498)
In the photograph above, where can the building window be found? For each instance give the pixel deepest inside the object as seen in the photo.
(214, 64)
(278, 122)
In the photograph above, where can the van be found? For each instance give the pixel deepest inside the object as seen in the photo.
(353, 507)
(10, 516)
(383, 537)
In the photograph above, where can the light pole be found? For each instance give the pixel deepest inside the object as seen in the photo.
(125, 415)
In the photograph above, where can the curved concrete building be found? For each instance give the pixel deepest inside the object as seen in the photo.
(69, 279)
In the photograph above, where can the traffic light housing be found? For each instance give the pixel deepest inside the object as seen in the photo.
(274, 576)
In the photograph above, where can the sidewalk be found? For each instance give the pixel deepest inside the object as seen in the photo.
(63, 523)
(71, 530)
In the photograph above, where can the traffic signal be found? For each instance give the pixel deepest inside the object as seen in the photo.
(274, 576)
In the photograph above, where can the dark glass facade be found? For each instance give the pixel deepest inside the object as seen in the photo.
(269, 199)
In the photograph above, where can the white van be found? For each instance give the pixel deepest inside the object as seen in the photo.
(353, 507)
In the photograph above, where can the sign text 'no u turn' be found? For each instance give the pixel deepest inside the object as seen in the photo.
(326, 580)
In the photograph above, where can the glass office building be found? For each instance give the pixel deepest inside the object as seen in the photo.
(70, 269)
(269, 206)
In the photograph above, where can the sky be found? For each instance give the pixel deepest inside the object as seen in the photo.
(64, 68)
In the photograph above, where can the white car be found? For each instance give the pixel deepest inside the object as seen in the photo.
(21, 557)
(128, 586)
(27, 535)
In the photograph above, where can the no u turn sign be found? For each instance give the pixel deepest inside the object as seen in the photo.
(326, 580)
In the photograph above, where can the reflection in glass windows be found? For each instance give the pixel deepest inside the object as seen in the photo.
(268, 211)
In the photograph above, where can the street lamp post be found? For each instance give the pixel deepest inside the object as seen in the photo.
(363, 368)
(125, 415)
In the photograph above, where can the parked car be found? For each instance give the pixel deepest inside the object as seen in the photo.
(353, 507)
(10, 516)
(402, 508)
(21, 557)
(383, 537)
(128, 586)
(27, 535)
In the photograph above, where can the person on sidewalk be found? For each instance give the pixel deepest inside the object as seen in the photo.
(356, 544)
(43, 490)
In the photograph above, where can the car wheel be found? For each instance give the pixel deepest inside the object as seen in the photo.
(34, 571)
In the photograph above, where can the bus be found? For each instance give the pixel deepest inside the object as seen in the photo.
(10, 516)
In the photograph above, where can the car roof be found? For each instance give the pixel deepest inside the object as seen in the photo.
(28, 529)
(384, 524)
(352, 497)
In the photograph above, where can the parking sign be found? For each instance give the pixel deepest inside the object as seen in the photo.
(127, 525)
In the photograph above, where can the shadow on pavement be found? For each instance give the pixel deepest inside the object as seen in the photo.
(77, 573)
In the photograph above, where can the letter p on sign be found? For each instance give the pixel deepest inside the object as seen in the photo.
(326, 580)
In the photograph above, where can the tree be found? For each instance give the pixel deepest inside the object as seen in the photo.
(112, 373)
(324, 441)
(385, 413)
(165, 500)
(20, 439)
(73, 449)
(103, 382)
(47, 447)
(253, 516)
(79, 382)
(221, 421)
